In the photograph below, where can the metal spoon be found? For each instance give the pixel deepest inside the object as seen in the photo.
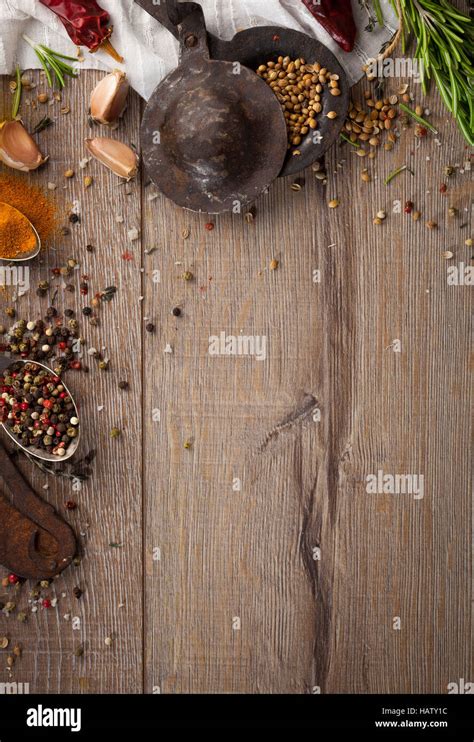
(33, 253)
(6, 362)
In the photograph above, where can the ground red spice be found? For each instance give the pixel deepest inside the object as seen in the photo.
(37, 205)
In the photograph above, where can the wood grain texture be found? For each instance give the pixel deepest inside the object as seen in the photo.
(110, 503)
(314, 568)
(309, 623)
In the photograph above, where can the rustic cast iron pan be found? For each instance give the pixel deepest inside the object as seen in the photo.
(213, 134)
(180, 117)
(34, 541)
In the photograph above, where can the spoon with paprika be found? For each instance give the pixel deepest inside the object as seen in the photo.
(19, 240)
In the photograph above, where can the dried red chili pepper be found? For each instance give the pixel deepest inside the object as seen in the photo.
(337, 18)
(86, 23)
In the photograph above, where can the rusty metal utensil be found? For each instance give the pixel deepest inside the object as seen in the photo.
(250, 48)
(35, 542)
(213, 134)
(6, 362)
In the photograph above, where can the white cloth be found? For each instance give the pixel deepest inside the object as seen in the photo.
(151, 52)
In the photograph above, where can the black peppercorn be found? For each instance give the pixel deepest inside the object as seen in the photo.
(74, 218)
(77, 592)
(150, 327)
(123, 385)
(87, 311)
(177, 312)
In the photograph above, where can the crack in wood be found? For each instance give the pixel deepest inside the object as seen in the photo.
(299, 415)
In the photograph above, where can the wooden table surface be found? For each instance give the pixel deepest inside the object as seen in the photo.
(254, 560)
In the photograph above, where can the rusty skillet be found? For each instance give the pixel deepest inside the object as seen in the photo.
(213, 133)
(249, 48)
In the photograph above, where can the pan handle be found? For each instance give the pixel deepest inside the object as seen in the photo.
(34, 541)
(170, 13)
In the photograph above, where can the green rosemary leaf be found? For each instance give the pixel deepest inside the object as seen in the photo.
(445, 43)
(346, 139)
(378, 12)
(57, 54)
(417, 118)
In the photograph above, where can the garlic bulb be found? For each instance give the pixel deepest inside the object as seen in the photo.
(109, 98)
(17, 149)
(118, 157)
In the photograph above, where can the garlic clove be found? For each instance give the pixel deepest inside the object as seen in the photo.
(118, 157)
(109, 98)
(18, 149)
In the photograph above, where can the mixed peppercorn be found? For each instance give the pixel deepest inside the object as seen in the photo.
(48, 340)
(37, 408)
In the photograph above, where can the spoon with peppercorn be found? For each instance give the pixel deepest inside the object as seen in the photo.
(37, 410)
(19, 239)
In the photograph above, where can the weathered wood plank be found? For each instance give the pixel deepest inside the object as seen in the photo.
(309, 623)
(109, 504)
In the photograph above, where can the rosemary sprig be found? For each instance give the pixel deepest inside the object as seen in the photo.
(396, 172)
(365, 5)
(346, 139)
(53, 63)
(417, 118)
(445, 46)
(42, 125)
(378, 12)
(18, 91)
(72, 470)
